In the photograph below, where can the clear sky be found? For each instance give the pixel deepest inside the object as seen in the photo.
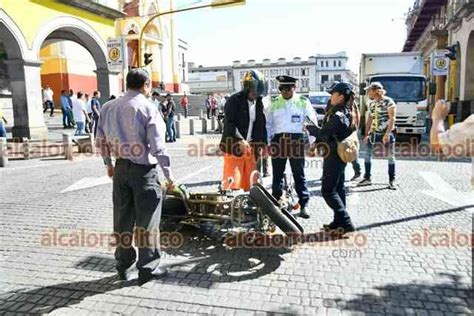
(292, 28)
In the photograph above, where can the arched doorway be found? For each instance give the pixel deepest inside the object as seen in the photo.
(469, 70)
(20, 74)
(83, 35)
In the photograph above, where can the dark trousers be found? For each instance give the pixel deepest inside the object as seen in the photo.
(185, 111)
(332, 187)
(89, 124)
(375, 142)
(208, 113)
(95, 124)
(356, 167)
(137, 199)
(49, 105)
(289, 148)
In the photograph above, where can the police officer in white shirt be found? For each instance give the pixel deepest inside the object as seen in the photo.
(286, 134)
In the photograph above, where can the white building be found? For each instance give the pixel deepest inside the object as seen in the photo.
(315, 74)
(303, 70)
(332, 68)
(183, 48)
(207, 80)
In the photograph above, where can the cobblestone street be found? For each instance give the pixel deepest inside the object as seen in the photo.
(395, 263)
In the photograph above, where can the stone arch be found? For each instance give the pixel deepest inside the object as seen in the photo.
(76, 30)
(22, 76)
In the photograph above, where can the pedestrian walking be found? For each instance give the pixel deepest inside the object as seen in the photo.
(339, 122)
(214, 107)
(48, 100)
(244, 132)
(95, 106)
(380, 132)
(66, 109)
(3, 121)
(184, 105)
(80, 114)
(208, 105)
(133, 121)
(170, 119)
(285, 128)
(88, 102)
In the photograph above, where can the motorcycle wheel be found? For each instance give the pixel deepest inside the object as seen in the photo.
(282, 220)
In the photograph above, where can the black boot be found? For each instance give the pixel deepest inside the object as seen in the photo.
(304, 213)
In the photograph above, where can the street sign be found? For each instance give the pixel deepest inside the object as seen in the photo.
(114, 54)
(440, 63)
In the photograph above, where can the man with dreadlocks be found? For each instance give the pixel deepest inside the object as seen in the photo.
(244, 131)
(340, 121)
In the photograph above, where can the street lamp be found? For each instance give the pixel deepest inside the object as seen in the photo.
(213, 4)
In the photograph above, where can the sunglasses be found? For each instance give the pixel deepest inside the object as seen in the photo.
(285, 88)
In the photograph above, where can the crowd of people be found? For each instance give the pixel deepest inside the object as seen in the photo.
(79, 110)
(253, 129)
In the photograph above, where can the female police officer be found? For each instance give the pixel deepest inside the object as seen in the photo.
(338, 123)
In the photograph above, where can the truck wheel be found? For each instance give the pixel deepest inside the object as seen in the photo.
(271, 210)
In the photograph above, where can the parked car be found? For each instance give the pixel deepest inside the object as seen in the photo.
(319, 101)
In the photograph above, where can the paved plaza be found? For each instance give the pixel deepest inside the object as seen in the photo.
(411, 254)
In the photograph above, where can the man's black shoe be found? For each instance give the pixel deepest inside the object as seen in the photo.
(144, 277)
(334, 228)
(122, 275)
(304, 213)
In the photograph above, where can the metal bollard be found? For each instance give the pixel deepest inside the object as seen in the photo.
(213, 123)
(26, 148)
(178, 129)
(191, 127)
(201, 114)
(178, 117)
(67, 145)
(204, 125)
(3, 152)
(91, 143)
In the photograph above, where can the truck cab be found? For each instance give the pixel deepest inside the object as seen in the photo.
(402, 78)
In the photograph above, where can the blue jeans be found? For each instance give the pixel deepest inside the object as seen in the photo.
(80, 128)
(375, 142)
(171, 129)
(3, 131)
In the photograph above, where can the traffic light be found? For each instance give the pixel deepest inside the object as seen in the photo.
(453, 49)
(147, 57)
(226, 3)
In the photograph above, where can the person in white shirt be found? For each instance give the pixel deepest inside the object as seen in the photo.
(48, 100)
(286, 119)
(88, 102)
(457, 141)
(80, 113)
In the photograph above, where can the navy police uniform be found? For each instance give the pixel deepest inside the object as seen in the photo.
(336, 127)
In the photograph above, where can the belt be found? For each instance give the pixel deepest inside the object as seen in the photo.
(131, 163)
(289, 135)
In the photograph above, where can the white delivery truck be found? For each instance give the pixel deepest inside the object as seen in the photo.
(401, 74)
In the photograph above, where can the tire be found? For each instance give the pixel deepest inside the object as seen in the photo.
(173, 207)
(272, 199)
(281, 220)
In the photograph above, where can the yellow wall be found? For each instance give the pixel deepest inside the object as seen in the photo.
(31, 15)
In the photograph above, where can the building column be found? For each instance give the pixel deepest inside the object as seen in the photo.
(441, 80)
(108, 83)
(25, 84)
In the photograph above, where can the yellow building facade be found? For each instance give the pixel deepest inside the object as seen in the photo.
(38, 46)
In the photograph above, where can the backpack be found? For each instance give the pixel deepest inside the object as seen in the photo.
(348, 148)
